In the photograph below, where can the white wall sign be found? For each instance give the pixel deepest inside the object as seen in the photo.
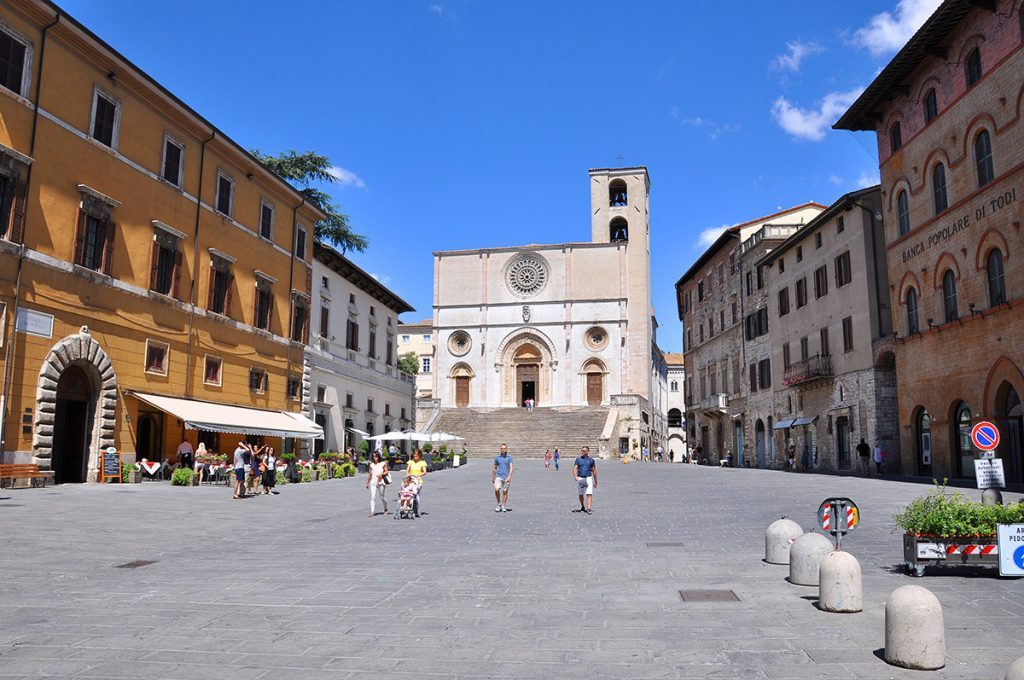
(1011, 549)
(989, 473)
(35, 323)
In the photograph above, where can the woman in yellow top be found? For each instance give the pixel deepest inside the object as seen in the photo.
(417, 469)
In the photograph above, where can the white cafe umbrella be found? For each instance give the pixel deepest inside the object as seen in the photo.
(394, 436)
(433, 437)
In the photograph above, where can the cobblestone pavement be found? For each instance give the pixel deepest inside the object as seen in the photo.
(305, 585)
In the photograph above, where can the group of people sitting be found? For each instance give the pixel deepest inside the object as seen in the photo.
(409, 495)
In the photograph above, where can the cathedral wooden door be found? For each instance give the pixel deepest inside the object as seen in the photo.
(594, 388)
(462, 391)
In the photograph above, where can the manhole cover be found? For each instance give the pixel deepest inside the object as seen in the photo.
(668, 544)
(136, 564)
(708, 596)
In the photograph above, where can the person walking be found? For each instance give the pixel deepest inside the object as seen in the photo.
(864, 451)
(660, 454)
(501, 478)
(269, 469)
(547, 459)
(557, 455)
(186, 454)
(417, 469)
(376, 482)
(879, 457)
(239, 460)
(584, 471)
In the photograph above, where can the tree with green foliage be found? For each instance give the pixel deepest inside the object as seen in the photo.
(409, 363)
(302, 170)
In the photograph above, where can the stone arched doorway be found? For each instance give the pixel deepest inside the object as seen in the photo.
(1011, 426)
(593, 382)
(462, 375)
(526, 364)
(759, 442)
(149, 437)
(527, 361)
(76, 408)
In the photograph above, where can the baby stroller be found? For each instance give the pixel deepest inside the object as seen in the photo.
(412, 510)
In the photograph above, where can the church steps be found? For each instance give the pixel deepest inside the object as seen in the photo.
(527, 434)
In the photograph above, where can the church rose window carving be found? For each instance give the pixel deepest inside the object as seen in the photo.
(459, 343)
(596, 338)
(526, 275)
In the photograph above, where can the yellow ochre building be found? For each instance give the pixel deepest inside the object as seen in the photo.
(151, 270)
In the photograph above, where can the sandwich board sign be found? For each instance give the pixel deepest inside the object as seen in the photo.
(1011, 549)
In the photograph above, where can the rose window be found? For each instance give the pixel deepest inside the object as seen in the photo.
(459, 343)
(526, 275)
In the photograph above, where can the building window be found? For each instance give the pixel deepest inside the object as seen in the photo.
(949, 305)
(349, 400)
(799, 254)
(225, 194)
(165, 264)
(996, 279)
(673, 386)
(373, 311)
(618, 229)
(264, 304)
(221, 280)
(972, 67)
(267, 220)
(405, 339)
(94, 238)
(734, 312)
(931, 106)
(764, 373)
(425, 365)
(820, 281)
(913, 325)
(617, 196)
(823, 339)
(983, 158)
(300, 243)
(760, 277)
(212, 367)
(371, 348)
(817, 240)
(848, 334)
(294, 387)
(750, 283)
(840, 224)
(895, 137)
(351, 298)
(156, 357)
(782, 265)
(801, 292)
(300, 319)
(902, 213)
(106, 118)
(939, 198)
(785, 355)
(352, 335)
(804, 349)
(389, 359)
(752, 372)
(15, 55)
(258, 380)
(325, 319)
(844, 273)
(173, 166)
(426, 337)
(387, 409)
(369, 405)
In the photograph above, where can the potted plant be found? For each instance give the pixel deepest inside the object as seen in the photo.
(364, 463)
(182, 477)
(941, 527)
(131, 473)
(290, 472)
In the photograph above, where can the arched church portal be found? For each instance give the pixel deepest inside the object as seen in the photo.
(526, 366)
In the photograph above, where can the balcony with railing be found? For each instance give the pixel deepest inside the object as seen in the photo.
(774, 232)
(809, 372)
(716, 403)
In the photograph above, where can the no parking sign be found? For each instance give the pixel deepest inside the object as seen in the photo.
(985, 436)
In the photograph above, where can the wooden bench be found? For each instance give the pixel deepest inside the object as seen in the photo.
(30, 471)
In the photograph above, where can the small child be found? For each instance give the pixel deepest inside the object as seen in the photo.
(408, 492)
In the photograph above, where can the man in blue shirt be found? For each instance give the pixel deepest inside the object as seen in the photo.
(501, 477)
(584, 471)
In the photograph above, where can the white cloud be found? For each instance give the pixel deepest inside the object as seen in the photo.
(811, 123)
(867, 179)
(886, 33)
(345, 177)
(836, 179)
(714, 129)
(443, 13)
(710, 235)
(797, 52)
(384, 280)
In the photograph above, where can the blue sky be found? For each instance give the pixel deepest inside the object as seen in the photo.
(472, 123)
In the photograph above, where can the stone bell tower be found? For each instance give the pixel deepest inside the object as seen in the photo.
(620, 214)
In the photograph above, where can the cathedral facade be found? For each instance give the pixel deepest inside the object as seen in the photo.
(564, 325)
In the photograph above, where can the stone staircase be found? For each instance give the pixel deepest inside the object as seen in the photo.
(527, 434)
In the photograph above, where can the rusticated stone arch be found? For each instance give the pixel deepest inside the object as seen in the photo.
(83, 351)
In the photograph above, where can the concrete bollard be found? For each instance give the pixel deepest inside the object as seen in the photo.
(839, 583)
(914, 632)
(1016, 671)
(805, 557)
(991, 497)
(780, 535)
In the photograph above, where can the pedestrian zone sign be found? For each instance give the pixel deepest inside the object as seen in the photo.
(1011, 549)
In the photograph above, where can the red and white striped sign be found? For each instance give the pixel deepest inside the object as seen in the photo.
(972, 550)
(851, 518)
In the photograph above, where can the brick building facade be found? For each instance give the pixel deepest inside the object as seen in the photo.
(947, 113)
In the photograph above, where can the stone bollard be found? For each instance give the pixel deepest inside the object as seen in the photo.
(914, 633)
(780, 535)
(839, 583)
(991, 497)
(1016, 671)
(805, 557)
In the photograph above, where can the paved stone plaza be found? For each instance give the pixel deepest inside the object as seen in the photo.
(305, 585)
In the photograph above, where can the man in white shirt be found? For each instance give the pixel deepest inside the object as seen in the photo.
(185, 454)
